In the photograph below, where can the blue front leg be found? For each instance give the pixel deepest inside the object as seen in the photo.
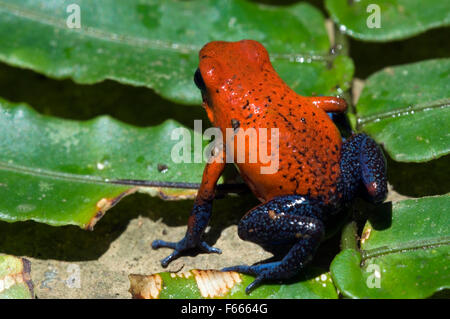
(197, 223)
(291, 220)
(200, 214)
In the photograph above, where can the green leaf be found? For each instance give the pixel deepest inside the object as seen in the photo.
(15, 278)
(195, 284)
(156, 43)
(408, 258)
(398, 19)
(406, 108)
(59, 172)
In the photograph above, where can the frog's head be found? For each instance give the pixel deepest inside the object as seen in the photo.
(227, 71)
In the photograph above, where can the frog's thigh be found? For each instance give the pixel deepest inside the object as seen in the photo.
(363, 161)
(282, 220)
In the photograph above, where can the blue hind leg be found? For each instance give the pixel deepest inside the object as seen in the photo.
(293, 221)
(363, 163)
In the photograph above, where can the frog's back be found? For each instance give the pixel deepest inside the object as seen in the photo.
(308, 152)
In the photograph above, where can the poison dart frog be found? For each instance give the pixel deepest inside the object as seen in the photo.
(318, 171)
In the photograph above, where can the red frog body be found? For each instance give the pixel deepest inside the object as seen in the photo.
(244, 88)
(316, 172)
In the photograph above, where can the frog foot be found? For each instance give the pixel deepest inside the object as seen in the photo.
(182, 246)
(262, 272)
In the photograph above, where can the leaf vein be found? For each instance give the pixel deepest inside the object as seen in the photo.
(91, 179)
(405, 111)
(411, 245)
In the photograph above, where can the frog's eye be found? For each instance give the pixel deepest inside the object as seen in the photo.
(198, 79)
